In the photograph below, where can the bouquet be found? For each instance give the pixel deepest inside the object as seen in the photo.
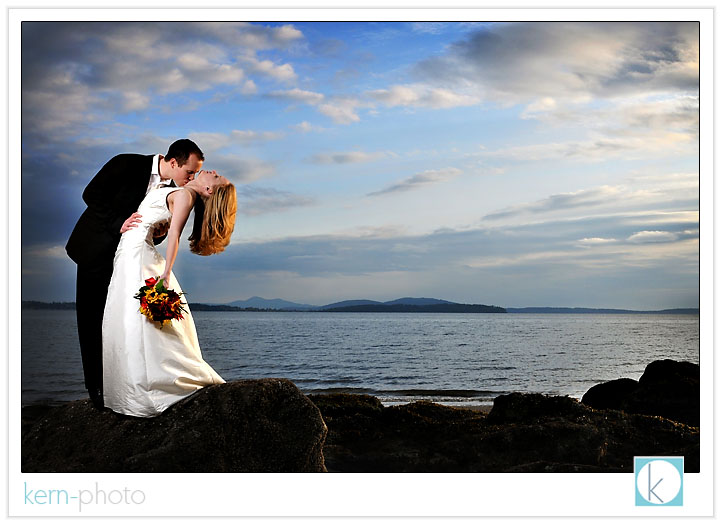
(158, 303)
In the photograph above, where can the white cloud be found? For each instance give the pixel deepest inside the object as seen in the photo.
(249, 87)
(421, 96)
(341, 110)
(216, 141)
(280, 72)
(252, 36)
(516, 62)
(596, 240)
(246, 136)
(652, 236)
(306, 127)
(73, 72)
(540, 105)
(299, 95)
(601, 148)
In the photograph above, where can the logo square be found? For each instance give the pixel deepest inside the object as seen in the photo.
(659, 481)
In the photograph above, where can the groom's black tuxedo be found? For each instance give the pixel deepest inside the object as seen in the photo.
(112, 196)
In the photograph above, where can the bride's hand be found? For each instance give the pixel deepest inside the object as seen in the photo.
(165, 280)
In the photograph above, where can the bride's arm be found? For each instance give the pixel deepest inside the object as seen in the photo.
(180, 204)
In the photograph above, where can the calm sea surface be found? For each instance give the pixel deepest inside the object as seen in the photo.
(455, 359)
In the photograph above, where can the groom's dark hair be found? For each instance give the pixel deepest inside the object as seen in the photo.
(181, 149)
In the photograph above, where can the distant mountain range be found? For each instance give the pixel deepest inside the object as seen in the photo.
(271, 304)
(403, 304)
(552, 310)
(281, 304)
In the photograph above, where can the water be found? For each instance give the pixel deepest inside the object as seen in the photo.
(455, 359)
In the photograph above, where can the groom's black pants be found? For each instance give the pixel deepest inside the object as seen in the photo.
(90, 293)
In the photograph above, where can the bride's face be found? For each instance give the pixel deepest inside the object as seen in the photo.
(209, 181)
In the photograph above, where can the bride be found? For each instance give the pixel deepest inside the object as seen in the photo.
(145, 368)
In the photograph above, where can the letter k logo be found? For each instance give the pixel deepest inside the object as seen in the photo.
(659, 481)
(651, 488)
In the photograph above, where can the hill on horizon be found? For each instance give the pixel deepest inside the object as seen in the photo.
(271, 304)
(282, 304)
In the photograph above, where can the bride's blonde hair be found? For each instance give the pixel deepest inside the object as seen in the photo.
(213, 221)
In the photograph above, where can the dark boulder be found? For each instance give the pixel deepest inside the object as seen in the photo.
(264, 425)
(670, 371)
(522, 433)
(610, 394)
(524, 408)
(667, 388)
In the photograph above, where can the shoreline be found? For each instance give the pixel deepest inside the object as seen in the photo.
(476, 407)
(520, 432)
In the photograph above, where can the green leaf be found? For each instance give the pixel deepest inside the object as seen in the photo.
(159, 286)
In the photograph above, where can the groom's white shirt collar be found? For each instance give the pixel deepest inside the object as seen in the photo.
(155, 175)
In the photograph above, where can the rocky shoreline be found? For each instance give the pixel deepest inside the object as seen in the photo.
(268, 425)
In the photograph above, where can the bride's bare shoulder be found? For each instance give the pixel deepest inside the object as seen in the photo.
(180, 197)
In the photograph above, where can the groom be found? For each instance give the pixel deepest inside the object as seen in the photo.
(113, 196)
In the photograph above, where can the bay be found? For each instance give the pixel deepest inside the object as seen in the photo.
(455, 359)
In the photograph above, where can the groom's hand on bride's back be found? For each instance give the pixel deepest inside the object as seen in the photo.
(131, 222)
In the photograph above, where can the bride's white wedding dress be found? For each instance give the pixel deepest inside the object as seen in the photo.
(145, 368)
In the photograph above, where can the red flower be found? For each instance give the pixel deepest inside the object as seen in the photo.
(151, 282)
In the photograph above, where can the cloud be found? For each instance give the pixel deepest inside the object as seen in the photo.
(661, 202)
(560, 202)
(652, 236)
(419, 180)
(280, 72)
(502, 260)
(421, 96)
(241, 169)
(622, 144)
(342, 110)
(298, 95)
(512, 63)
(306, 127)
(210, 142)
(251, 36)
(642, 124)
(68, 78)
(53, 252)
(260, 201)
(348, 157)
(596, 240)
(246, 136)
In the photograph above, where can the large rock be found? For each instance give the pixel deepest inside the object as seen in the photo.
(610, 394)
(264, 425)
(667, 388)
(522, 433)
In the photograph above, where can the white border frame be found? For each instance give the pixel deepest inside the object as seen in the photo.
(368, 494)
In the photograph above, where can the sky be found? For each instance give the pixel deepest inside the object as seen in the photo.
(514, 164)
